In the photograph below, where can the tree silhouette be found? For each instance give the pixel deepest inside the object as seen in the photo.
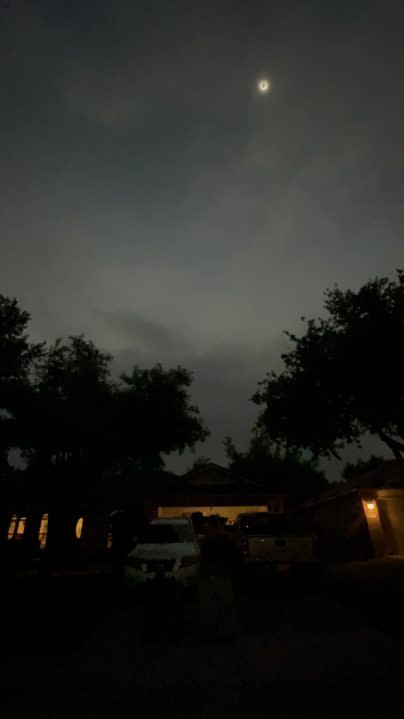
(344, 376)
(80, 419)
(60, 405)
(17, 362)
(154, 415)
(276, 468)
(66, 414)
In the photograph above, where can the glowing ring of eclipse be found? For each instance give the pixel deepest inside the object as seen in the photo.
(263, 86)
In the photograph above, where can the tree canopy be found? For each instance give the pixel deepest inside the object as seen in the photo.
(17, 360)
(64, 420)
(343, 377)
(276, 469)
(65, 411)
(153, 415)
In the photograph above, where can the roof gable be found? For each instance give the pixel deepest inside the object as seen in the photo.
(212, 475)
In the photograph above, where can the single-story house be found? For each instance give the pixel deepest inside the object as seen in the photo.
(360, 519)
(210, 489)
(74, 529)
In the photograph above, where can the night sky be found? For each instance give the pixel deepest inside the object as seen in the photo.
(154, 201)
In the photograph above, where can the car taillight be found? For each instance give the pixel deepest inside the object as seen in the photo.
(189, 561)
(244, 548)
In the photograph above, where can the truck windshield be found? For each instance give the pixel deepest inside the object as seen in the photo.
(166, 534)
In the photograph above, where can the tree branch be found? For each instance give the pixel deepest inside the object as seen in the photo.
(391, 442)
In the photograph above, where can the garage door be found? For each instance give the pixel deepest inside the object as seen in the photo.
(229, 512)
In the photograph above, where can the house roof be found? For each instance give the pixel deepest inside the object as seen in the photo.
(213, 475)
(208, 480)
(385, 476)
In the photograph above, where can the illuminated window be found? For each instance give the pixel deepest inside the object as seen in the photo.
(12, 527)
(43, 531)
(16, 528)
(21, 527)
(79, 527)
(109, 540)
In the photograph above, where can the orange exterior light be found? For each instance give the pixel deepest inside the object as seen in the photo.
(370, 505)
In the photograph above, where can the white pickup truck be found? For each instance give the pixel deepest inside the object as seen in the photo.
(270, 540)
(169, 547)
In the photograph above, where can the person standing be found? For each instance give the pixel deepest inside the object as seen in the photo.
(219, 561)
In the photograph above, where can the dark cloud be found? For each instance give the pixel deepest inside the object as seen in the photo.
(225, 375)
(153, 201)
(146, 337)
(225, 378)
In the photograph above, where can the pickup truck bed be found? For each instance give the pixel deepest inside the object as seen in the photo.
(268, 539)
(289, 549)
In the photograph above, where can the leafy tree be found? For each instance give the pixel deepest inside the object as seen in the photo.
(61, 407)
(17, 353)
(67, 411)
(154, 415)
(343, 377)
(17, 360)
(81, 419)
(276, 468)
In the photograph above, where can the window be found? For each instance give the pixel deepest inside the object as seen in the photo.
(21, 527)
(16, 528)
(43, 531)
(79, 527)
(12, 527)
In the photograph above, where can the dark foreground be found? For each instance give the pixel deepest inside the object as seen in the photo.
(72, 648)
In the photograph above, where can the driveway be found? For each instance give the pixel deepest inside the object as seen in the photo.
(303, 651)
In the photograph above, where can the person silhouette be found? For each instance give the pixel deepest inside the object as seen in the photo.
(219, 561)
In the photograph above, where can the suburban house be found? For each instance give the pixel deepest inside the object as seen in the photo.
(37, 519)
(356, 520)
(360, 519)
(62, 522)
(210, 489)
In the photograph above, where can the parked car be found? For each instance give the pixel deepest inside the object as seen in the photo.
(169, 547)
(270, 540)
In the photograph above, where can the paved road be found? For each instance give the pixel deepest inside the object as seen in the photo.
(303, 652)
